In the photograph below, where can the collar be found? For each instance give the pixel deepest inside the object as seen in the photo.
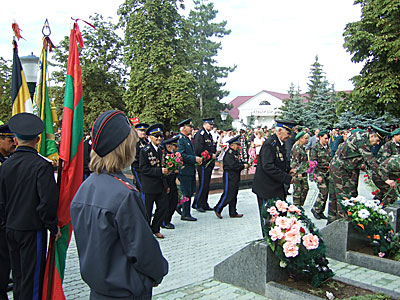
(155, 147)
(25, 149)
(279, 140)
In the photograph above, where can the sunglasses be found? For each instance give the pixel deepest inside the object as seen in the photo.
(158, 136)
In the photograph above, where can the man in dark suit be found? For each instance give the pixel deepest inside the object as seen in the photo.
(187, 175)
(154, 184)
(203, 141)
(273, 169)
(143, 142)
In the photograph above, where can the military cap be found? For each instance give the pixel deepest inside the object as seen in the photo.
(141, 126)
(5, 131)
(323, 132)
(155, 129)
(26, 126)
(109, 130)
(209, 120)
(299, 135)
(380, 132)
(288, 125)
(356, 130)
(234, 140)
(172, 141)
(229, 129)
(395, 132)
(186, 122)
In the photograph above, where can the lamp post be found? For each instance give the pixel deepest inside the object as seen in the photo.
(30, 67)
(224, 115)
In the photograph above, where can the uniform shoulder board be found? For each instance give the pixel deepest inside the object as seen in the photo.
(202, 132)
(46, 159)
(146, 148)
(230, 151)
(273, 143)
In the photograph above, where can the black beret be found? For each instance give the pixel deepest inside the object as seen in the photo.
(26, 126)
(109, 130)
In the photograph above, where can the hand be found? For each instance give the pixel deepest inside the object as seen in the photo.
(177, 171)
(214, 156)
(155, 284)
(58, 235)
(300, 176)
(391, 183)
(292, 180)
(168, 190)
(199, 160)
(364, 167)
(164, 170)
(246, 166)
(292, 172)
(319, 178)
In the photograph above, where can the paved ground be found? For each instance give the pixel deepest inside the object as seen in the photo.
(194, 248)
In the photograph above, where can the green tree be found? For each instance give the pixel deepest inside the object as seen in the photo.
(5, 90)
(161, 87)
(103, 72)
(294, 107)
(375, 41)
(204, 33)
(316, 78)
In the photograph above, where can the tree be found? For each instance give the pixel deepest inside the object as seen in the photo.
(103, 72)
(316, 78)
(294, 107)
(161, 87)
(375, 41)
(5, 90)
(209, 76)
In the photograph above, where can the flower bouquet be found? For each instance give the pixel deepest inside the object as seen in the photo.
(371, 220)
(307, 166)
(205, 156)
(294, 239)
(173, 161)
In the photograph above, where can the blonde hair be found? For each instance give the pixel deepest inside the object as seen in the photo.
(118, 159)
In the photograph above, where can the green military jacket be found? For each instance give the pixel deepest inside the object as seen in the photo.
(390, 168)
(355, 151)
(323, 157)
(298, 156)
(388, 149)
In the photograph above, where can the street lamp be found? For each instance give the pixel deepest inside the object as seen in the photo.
(30, 67)
(224, 115)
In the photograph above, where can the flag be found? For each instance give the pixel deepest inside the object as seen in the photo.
(20, 97)
(71, 153)
(47, 144)
(134, 120)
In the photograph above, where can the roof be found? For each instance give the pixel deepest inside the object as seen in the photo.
(239, 100)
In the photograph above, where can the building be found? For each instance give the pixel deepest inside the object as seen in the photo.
(258, 110)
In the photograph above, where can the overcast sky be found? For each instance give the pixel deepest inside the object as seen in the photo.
(273, 43)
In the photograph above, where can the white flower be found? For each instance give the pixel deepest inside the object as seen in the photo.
(348, 203)
(361, 199)
(382, 212)
(377, 202)
(370, 204)
(363, 214)
(282, 264)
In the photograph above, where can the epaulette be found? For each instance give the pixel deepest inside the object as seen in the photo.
(45, 158)
(230, 151)
(273, 143)
(202, 132)
(146, 148)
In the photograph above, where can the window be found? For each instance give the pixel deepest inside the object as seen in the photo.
(265, 102)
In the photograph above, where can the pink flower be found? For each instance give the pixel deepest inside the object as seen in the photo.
(275, 233)
(273, 219)
(281, 205)
(172, 155)
(293, 223)
(290, 249)
(381, 254)
(283, 222)
(310, 241)
(294, 209)
(177, 154)
(293, 236)
(272, 211)
(178, 160)
(170, 164)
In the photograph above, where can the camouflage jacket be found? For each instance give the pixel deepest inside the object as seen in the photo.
(387, 150)
(390, 168)
(323, 156)
(355, 151)
(298, 156)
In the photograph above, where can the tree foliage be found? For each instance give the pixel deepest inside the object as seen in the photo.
(294, 108)
(161, 87)
(5, 89)
(375, 41)
(204, 49)
(103, 72)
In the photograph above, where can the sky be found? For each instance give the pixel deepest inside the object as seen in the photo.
(273, 43)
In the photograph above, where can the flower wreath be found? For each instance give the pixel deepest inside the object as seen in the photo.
(294, 239)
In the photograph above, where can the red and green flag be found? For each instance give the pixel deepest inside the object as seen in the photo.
(47, 144)
(71, 153)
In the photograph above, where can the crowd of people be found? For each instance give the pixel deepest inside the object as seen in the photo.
(115, 224)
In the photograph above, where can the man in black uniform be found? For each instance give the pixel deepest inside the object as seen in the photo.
(143, 141)
(232, 168)
(7, 147)
(171, 146)
(154, 184)
(203, 141)
(29, 202)
(273, 169)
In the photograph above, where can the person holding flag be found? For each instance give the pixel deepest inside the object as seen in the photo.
(28, 202)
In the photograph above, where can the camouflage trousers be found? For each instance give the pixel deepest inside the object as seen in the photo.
(300, 190)
(384, 189)
(342, 188)
(323, 187)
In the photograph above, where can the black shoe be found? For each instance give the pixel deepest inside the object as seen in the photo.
(200, 209)
(169, 226)
(190, 218)
(323, 216)
(208, 208)
(178, 209)
(315, 214)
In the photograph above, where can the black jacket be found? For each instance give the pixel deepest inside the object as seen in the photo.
(203, 141)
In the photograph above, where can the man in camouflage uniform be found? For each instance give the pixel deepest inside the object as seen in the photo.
(387, 175)
(299, 159)
(350, 157)
(390, 148)
(322, 154)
